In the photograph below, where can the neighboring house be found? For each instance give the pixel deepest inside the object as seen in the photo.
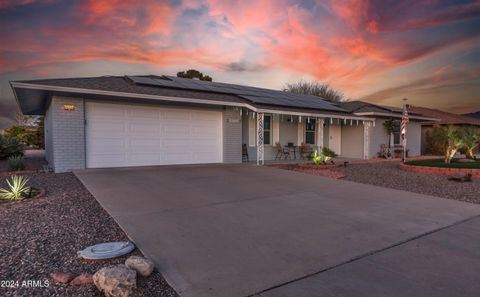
(117, 121)
(378, 135)
(444, 118)
(475, 115)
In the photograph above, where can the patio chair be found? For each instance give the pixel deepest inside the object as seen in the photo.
(244, 152)
(305, 151)
(279, 151)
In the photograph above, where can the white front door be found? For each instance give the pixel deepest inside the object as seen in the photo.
(335, 138)
(120, 135)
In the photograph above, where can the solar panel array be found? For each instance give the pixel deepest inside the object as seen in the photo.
(252, 94)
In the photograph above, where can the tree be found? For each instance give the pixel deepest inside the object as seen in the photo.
(192, 73)
(471, 139)
(448, 137)
(24, 120)
(314, 88)
(389, 126)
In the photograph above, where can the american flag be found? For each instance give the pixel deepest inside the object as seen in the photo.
(404, 123)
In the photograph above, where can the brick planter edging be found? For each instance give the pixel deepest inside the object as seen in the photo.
(439, 170)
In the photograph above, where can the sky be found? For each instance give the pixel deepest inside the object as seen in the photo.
(379, 51)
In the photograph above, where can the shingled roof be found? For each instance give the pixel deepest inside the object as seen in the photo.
(445, 118)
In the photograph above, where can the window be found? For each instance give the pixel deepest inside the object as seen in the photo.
(310, 131)
(396, 133)
(267, 124)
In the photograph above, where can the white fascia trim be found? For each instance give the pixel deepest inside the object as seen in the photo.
(395, 115)
(179, 99)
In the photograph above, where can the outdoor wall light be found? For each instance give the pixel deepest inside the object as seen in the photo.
(69, 107)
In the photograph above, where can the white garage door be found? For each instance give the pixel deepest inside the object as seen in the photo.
(121, 135)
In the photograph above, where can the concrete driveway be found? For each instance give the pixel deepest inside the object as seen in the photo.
(240, 230)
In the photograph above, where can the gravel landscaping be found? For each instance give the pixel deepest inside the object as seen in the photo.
(387, 174)
(38, 237)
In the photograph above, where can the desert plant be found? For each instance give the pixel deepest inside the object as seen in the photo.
(324, 156)
(471, 139)
(389, 126)
(17, 188)
(449, 138)
(15, 163)
(10, 146)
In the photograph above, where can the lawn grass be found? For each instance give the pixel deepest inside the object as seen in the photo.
(441, 163)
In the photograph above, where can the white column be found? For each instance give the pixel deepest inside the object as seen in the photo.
(260, 156)
(320, 123)
(251, 129)
(300, 132)
(275, 128)
(366, 139)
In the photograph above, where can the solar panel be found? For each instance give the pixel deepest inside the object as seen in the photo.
(252, 94)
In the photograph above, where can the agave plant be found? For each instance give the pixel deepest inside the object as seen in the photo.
(18, 188)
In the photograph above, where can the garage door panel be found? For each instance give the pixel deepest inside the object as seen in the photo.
(107, 111)
(143, 113)
(176, 115)
(144, 127)
(135, 135)
(176, 131)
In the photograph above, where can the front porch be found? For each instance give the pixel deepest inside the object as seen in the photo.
(286, 138)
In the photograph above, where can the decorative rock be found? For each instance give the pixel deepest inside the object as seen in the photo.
(63, 277)
(82, 279)
(141, 265)
(461, 177)
(116, 281)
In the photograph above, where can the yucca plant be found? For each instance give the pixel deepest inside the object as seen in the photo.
(324, 156)
(17, 188)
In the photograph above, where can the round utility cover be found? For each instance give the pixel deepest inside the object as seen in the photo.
(107, 250)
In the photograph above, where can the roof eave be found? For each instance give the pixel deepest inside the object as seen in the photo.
(269, 109)
(395, 115)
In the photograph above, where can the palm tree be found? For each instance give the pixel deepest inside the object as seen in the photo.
(454, 141)
(471, 139)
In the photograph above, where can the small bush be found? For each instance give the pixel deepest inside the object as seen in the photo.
(325, 156)
(15, 163)
(10, 146)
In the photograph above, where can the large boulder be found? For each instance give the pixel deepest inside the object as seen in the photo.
(141, 265)
(116, 281)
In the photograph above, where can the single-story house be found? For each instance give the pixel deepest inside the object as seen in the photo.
(443, 118)
(379, 135)
(118, 121)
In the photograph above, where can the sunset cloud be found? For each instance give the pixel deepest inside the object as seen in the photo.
(370, 49)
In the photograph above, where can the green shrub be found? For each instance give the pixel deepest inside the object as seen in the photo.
(15, 163)
(10, 146)
(18, 188)
(25, 135)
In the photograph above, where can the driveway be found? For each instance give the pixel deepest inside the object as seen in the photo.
(240, 230)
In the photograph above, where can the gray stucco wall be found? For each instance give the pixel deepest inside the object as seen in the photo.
(414, 138)
(67, 132)
(378, 136)
(352, 141)
(232, 136)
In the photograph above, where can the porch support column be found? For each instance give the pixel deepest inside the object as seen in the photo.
(260, 152)
(366, 139)
(320, 123)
